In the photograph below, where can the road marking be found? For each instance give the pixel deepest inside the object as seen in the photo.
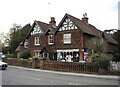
(74, 84)
(35, 79)
(30, 78)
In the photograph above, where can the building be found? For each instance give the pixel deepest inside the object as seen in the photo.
(69, 41)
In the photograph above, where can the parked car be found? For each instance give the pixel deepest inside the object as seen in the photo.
(3, 65)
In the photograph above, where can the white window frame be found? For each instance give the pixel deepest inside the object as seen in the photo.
(67, 38)
(49, 39)
(37, 41)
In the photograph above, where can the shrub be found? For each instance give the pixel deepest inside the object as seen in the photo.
(25, 55)
(94, 57)
(11, 56)
(116, 57)
(103, 61)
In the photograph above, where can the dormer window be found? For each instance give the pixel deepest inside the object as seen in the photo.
(37, 41)
(26, 44)
(50, 39)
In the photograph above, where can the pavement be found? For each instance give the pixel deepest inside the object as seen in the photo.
(111, 77)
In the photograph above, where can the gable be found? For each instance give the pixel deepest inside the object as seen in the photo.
(67, 24)
(36, 29)
(49, 32)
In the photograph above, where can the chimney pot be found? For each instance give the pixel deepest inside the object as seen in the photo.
(53, 22)
(85, 18)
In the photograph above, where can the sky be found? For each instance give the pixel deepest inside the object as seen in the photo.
(103, 14)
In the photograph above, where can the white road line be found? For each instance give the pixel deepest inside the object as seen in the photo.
(35, 79)
(29, 78)
(74, 84)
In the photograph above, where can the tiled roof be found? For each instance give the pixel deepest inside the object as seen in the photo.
(44, 26)
(109, 38)
(48, 48)
(84, 27)
(18, 49)
(87, 28)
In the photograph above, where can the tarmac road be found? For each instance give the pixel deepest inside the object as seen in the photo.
(20, 76)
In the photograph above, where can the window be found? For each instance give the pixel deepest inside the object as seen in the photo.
(26, 44)
(67, 38)
(37, 41)
(50, 39)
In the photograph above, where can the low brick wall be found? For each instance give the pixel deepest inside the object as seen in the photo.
(19, 62)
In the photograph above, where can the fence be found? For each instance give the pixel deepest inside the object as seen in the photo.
(70, 67)
(55, 65)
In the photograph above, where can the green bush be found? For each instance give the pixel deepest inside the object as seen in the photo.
(92, 64)
(103, 61)
(116, 57)
(11, 56)
(94, 57)
(25, 55)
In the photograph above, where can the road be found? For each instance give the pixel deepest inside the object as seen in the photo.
(15, 76)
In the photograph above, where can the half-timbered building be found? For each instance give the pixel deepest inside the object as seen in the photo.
(40, 39)
(69, 41)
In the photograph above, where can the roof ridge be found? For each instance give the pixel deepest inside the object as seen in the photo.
(73, 16)
(42, 22)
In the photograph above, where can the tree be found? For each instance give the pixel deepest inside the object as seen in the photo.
(16, 35)
(14, 38)
(4, 42)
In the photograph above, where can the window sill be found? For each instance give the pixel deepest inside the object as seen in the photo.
(37, 44)
(66, 43)
(50, 43)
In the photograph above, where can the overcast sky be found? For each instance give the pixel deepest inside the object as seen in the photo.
(101, 13)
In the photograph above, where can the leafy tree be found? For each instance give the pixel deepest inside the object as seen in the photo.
(16, 35)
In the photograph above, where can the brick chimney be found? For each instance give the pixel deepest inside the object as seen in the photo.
(53, 22)
(85, 18)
